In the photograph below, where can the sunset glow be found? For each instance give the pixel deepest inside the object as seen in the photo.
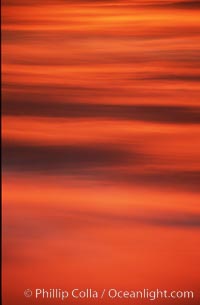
(101, 147)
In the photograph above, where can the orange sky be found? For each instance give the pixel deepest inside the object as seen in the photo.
(100, 146)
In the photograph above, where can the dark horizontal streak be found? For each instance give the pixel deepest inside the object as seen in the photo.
(171, 77)
(59, 220)
(56, 2)
(149, 113)
(184, 5)
(169, 179)
(98, 163)
(62, 159)
(61, 37)
(190, 59)
(158, 219)
(109, 4)
(167, 219)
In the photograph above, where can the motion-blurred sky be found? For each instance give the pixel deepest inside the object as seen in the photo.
(101, 145)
